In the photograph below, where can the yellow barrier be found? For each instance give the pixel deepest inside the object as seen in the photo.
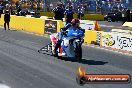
(30, 24)
(35, 25)
(90, 36)
(60, 25)
(44, 17)
(2, 20)
(17, 22)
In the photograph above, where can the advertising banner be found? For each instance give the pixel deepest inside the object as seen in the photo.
(50, 27)
(125, 42)
(117, 41)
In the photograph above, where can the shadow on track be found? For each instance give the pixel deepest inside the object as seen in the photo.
(85, 61)
(92, 62)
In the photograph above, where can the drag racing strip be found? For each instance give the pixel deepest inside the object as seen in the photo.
(47, 70)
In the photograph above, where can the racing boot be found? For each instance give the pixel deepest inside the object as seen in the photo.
(63, 54)
(58, 44)
(63, 50)
(55, 53)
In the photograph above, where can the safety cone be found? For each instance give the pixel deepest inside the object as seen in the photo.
(97, 26)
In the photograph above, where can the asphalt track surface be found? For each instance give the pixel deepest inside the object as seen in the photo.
(21, 66)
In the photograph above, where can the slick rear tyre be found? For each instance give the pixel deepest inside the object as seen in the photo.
(78, 52)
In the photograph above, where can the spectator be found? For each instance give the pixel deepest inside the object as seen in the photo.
(31, 5)
(7, 7)
(51, 7)
(11, 11)
(0, 10)
(128, 15)
(38, 6)
(17, 4)
(6, 19)
(124, 15)
(59, 12)
(80, 12)
(43, 5)
(131, 15)
(18, 10)
(69, 14)
(27, 12)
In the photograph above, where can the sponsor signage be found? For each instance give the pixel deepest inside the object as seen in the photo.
(50, 27)
(117, 41)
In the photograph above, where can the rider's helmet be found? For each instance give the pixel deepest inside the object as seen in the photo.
(75, 22)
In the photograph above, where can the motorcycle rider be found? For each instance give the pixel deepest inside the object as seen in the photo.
(75, 24)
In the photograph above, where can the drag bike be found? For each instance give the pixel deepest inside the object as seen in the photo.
(72, 41)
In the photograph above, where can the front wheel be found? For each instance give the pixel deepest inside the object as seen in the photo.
(78, 51)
